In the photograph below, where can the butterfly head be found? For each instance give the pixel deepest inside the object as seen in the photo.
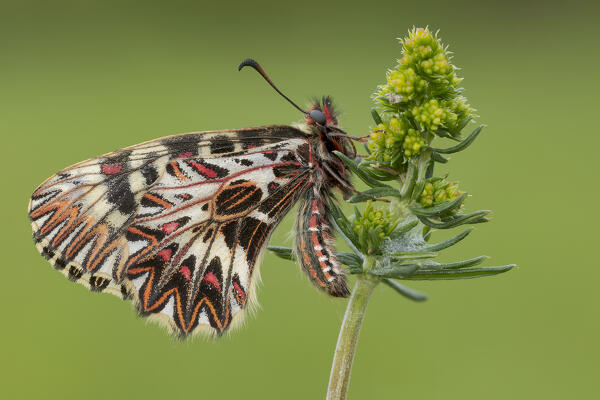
(322, 118)
(322, 112)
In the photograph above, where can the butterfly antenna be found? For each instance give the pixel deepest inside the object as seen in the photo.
(252, 63)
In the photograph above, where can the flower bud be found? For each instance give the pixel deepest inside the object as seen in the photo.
(437, 191)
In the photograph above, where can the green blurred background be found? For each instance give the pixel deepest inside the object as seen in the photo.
(80, 78)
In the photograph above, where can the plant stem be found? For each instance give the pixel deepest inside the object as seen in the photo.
(339, 380)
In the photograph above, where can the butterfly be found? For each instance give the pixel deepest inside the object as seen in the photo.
(178, 225)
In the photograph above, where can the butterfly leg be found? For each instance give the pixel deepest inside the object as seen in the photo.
(315, 248)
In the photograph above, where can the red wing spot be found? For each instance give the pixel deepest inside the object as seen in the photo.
(213, 280)
(203, 170)
(185, 271)
(170, 227)
(165, 254)
(110, 169)
(239, 290)
(272, 186)
(186, 154)
(250, 145)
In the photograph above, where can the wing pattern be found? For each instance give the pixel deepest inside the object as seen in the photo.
(177, 224)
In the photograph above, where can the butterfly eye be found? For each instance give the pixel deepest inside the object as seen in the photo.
(318, 117)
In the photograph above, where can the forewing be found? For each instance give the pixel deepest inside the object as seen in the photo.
(176, 224)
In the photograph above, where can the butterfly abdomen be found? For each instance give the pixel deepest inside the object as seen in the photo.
(315, 249)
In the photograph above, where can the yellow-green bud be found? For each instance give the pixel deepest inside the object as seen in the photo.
(395, 140)
(373, 227)
(437, 191)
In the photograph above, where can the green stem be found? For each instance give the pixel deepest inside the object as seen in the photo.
(339, 379)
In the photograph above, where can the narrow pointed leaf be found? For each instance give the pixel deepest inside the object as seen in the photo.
(351, 260)
(427, 231)
(348, 241)
(445, 134)
(374, 193)
(480, 220)
(463, 122)
(359, 172)
(430, 265)
(413, 255)
(283, 252)
(401, 230)
(395, 271)
(343, 227)
(465, 263)
(437, 157)
(447, 243)
(456, 221)
(376, 116)
(409, 180)
(462, 145)
(451, 274)
(418, 189)
(405, 291)
(375, 171)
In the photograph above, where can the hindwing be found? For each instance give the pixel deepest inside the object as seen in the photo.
(176, 224)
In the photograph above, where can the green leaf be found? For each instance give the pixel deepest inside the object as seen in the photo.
(394, 271)
(409, 180)
(430, 265)
(373, 169)
(405, 291)
(413, 255)
(447, 243)
(462, 145)
(463, 122)
(352, 241)
(359, 172)
(342, 225)
(427, 231)
(351, 260)
(423, 163)
(437, 157)
(439, 209)
(464, 264)
(374, 193)
(445, 134)
(283, 252)
(402, 229)
(457, 220)
(450, 274)
(376, 116)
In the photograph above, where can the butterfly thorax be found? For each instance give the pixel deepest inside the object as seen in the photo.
(333, 170)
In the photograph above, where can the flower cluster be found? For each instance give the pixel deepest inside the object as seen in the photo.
(423, 52)
(422, 97)
(394, 141)
(404, 86)
(373, 227)
(437, 191)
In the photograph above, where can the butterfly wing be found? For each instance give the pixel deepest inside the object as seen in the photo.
(177, 224)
